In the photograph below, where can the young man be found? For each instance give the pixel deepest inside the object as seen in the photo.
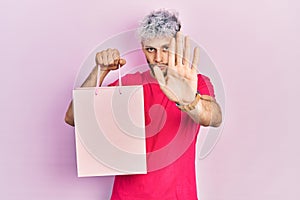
(186, 101)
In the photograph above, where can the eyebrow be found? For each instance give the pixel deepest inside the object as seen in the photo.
(164, 45)
(149, 47)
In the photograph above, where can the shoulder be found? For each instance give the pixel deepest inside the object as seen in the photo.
(205, 87)
(130, 79)
(203, 78)
(133, 79)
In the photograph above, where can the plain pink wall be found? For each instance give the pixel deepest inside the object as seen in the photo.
(255, 45)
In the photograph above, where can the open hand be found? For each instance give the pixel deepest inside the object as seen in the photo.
(180, 82)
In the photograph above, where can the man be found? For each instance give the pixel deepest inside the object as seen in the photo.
(187, 101)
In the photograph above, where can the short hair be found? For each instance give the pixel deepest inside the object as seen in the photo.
(159, 23)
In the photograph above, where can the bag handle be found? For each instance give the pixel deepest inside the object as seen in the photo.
(98, 79)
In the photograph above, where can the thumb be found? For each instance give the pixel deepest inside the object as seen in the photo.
(120, 61)
(159, 76)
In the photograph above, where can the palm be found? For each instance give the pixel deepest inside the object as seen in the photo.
(180, 82)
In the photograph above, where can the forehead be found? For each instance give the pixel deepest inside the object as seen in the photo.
(157, 42)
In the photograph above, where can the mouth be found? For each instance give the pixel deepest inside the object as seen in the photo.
(161, 67)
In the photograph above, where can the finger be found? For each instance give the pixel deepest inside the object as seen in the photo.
(122, 62)
(187, 51)
(179, 49)
(196, 59)
(116, 57)
(115, 54)
(159, 76)
(119, 61)
(172, 53)
(116, 61)
(110, 60)
(104, 58)
(99, 60)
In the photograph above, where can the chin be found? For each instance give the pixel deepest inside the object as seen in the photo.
(163, 68)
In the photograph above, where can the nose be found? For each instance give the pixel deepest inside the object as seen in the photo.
(158, 56)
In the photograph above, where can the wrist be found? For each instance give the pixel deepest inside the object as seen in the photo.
(189, 106)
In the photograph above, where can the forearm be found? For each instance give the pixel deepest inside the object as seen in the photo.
(89, 82)
(207, 112)
(92, 78)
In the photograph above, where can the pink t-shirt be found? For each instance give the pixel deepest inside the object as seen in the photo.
(170, 145)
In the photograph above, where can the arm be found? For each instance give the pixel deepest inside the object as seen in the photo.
(207, 112)
(89, 82)
(180, 84)
(108, 60)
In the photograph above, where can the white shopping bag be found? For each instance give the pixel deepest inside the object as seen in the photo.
(110, 130)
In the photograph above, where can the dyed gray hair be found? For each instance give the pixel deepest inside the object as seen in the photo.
(159, 23)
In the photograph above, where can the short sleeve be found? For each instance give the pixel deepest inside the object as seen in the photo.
(129, 79)
(205, 87)
(115, 83)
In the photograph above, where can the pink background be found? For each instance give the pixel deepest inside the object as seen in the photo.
(255, 45)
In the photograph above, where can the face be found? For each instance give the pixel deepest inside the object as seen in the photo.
(156, 51)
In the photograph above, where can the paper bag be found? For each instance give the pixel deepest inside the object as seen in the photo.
(110, 130)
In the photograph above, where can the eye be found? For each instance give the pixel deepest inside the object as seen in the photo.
(165, 48)
(150, 49)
